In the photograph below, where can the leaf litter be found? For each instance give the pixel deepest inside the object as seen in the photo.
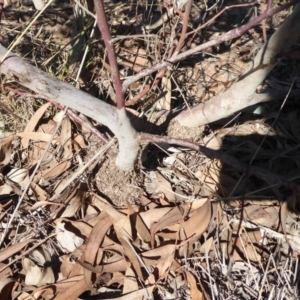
(186, 228)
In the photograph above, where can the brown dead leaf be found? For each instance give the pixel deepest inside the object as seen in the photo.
(266, 216)
(130, 282)
(151, 257)
(103, 204)
(6, 282)
(245, 245)
(124, 235)
(79, 142)
(115, 263)
(66, 135)
(154, 215)
(284, 212)
(196, 223)
(11, 250)
(49, 291)
(136, 295)
(142, 230)
(42, 203)
(72, 291)
(70, 268)
(117, 277)
(39, 193)
(206, 246)
(33, 122)
(56, 170)
(95, 239)
(6, 272)
(73, 205)
(195, 293)
(165, 186)
(5, 152)
(213, 141)
(37, 136)
(6, 285)
(173, 216)
(137, 60)
(164, 264)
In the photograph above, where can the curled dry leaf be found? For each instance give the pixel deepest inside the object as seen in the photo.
(115, 263)
(6, 286)
(69, 267)
(5, 152)
(142, 230)
(124, 237)
(173, 216)
(197, 215)
(165, 186)
(39, 193)
(164, 264)
(137, 295)
(195, 293)
(150, 256)
(56, 170)
(6, 282)
(160, 184)
(73, 205)
(74, 288)
(33, 122)
(91, 250)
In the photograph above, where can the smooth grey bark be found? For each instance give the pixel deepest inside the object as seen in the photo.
(242, 93)
(65, 94)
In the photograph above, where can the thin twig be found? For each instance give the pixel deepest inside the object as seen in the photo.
(234, 33)
(224, 158)
(218, 15)
(28, 251)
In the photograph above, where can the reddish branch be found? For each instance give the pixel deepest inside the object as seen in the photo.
(1, 10)
(234, 33)
(103, 26)
(185, 20)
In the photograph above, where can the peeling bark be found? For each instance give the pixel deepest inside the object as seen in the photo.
(242, 94)
(42, 84)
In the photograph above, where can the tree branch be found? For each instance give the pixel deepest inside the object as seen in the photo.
(242, 93)
(67, 95)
